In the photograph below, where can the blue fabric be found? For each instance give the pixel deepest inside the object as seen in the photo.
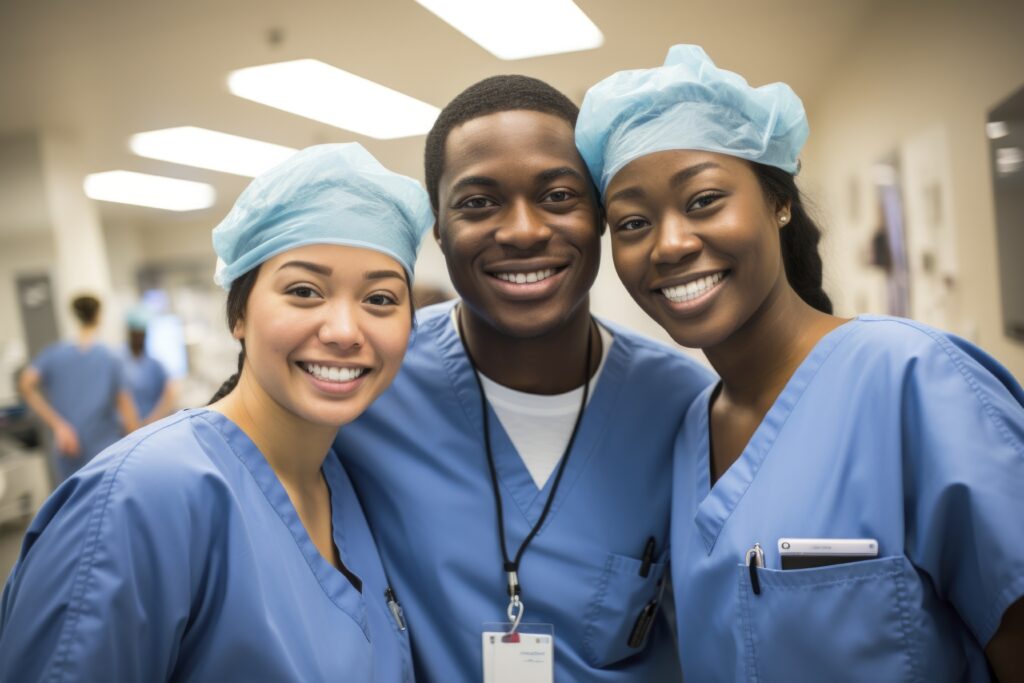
(326, 194)
(178, 556)
(888, 430)
(82, 384)
(417, 460)
(688, 103)
(146, 380)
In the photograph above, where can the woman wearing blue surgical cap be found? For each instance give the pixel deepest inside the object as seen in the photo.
(846, 501)
(226, 544)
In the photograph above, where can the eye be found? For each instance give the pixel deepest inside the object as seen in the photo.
(704, 200)
(381, 299)
(560, 196)
(303, 292)
(631, 224)
(475, 202)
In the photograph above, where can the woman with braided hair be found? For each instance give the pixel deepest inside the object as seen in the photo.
(892, 452)
(227, 543)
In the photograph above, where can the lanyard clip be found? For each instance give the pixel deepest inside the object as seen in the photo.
(513, 583)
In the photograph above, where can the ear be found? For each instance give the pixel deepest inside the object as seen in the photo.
(238, 331)
(784, 213)
(437, 233)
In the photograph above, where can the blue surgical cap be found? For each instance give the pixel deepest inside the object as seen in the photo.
(688, 103)
(327, 194)
(138, 318)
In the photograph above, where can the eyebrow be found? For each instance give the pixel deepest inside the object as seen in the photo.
(383, 274)
(680, 178)
(560, 172)
(542, 177)
(473, 180)
(306, 265)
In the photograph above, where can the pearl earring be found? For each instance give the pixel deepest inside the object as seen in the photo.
(783, 218)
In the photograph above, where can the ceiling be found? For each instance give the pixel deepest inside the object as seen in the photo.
(101, 70)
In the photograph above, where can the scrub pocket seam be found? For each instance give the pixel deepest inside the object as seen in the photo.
(595, 607)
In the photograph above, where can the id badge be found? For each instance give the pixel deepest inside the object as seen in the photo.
(524, 656)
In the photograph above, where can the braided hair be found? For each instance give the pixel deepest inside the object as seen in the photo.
(238, 297)
(800, 237)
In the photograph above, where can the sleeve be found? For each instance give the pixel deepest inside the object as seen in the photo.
(101, 591)
(43, 363)
(963, 420)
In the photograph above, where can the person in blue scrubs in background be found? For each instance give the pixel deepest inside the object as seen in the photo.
(515, 395)
(79, 390)
(226, 543)
(151, 387)
(874, 428)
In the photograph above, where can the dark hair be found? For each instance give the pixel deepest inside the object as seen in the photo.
(238, 297)
(799, 237)
(86, 308)
(490, 96)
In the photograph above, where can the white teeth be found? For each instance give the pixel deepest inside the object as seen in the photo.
(333, 374)
(692, 290)
(523, 278)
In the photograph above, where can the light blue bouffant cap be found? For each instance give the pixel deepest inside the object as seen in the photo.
(688, 103)
(327, 194)
(138, 318)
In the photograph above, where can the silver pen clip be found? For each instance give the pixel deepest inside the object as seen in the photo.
(755, 559)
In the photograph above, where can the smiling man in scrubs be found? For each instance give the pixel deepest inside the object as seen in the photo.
(525, 447)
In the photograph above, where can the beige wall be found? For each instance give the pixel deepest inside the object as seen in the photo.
(919, 82)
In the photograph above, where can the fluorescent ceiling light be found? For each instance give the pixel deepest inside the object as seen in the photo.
(321, 92)
(204, 148)
(141, 189)
(516, 29)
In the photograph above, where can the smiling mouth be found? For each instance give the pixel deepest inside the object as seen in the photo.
(529, 277)
(693, 289)
(328, 373)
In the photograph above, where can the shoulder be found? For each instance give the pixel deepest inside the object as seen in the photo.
(920, 349)
(50, 353)
(648, 356)
(930, 366)
(165, 465)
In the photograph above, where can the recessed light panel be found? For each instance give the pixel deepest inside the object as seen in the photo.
(516, 29)
(142, 189)
(210, 149)
(324, 93)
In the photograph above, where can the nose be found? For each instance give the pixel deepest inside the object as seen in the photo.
(523, 227)
(341, 326)
(675, 240)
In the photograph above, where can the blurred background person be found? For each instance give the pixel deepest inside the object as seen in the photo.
(78, 389)
(151, 387)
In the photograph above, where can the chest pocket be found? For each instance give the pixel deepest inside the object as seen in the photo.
(620, 595)
(845, 622)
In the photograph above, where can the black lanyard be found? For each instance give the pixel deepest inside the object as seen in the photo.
(512, 566)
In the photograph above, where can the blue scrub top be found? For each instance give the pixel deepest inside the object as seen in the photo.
(146, 378)
(177, 555)
(888, 430)
(82, 383)
(417, 459)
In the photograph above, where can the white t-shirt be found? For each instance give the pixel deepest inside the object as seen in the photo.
(539, 425)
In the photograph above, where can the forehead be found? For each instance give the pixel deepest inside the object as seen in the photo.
(341, 259)
(661, 168)
(509, 143)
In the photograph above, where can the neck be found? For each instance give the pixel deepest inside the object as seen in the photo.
(295, 448)
(757, 360)
(551, 363)
(87, 334)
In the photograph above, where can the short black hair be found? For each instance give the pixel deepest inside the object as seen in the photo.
(490, 96)
(86, 308)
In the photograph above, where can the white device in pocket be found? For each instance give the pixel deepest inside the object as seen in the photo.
(805, 553)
